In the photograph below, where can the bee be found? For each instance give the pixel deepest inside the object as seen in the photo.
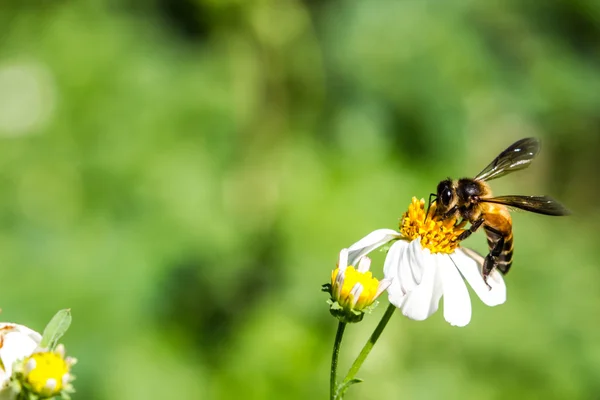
(471, 200)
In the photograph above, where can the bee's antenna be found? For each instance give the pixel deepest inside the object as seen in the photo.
(429, 204)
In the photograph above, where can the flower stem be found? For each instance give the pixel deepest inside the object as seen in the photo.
(334, 359)
(369, 345)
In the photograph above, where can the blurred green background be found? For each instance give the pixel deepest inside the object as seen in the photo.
(183, 174)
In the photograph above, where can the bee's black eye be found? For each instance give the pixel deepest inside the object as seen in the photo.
(446, 196)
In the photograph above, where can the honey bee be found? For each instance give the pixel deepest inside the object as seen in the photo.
(470, 200)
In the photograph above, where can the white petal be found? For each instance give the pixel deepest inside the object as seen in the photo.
(50, 384)
(343, 259)
(383, 284)
(438, 289)
(60, 350)
(356, 292)
(17, 342)
(469, 263)
(411, 272)
(392, 259)
(391, 271)
(421, 302)
(457, 304)
(369, 243)
(364, 264)
(339, 283)
(30, 366)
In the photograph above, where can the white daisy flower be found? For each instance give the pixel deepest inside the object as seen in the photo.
(26, 369)
(425, 263)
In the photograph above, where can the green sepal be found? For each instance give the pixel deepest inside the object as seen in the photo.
(341, 390)
(56, 328)
(369, 309)
(343, 314)
(25, 392)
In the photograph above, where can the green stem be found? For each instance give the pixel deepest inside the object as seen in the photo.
(370, 343)
(334, 359)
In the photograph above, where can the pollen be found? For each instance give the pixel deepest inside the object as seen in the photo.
(356, 290)
(438, 235)
(47, 373)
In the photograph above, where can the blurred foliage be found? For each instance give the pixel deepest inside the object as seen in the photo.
(183, 173)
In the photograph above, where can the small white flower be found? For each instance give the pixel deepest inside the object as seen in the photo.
(425, 263)
(353, 290)
(47, 373)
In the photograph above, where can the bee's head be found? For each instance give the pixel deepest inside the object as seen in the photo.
(446, 197)
(469, 191)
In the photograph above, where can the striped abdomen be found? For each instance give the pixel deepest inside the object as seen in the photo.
(505, 256)
(498, 228)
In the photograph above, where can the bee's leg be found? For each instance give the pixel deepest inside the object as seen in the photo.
(429, 204)
(491, 260)
(450, 213)
(474, 226)
(461, 224)
(488, 266)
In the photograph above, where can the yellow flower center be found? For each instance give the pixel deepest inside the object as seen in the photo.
(437, 235)
(352, 277)
(46, 375)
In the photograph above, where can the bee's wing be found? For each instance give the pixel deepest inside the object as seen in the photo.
(538, 204)
(518, 156)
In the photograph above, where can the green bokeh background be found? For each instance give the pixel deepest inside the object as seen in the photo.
(183, 173)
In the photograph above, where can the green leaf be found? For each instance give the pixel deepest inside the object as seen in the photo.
(341, 390)
(56, 328)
